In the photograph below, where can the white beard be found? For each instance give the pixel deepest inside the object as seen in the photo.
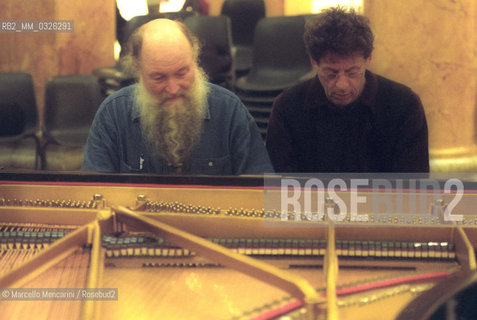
(172, 129)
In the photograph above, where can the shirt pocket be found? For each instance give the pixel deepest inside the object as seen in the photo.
(221, 165)
(126, 168)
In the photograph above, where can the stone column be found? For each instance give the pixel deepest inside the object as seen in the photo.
(431, 46)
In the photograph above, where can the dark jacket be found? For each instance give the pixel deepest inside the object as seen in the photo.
(385, 130)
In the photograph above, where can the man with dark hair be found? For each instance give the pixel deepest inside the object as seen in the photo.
(173, 120)
(346, 119)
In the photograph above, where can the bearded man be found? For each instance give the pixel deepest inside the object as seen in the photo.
(173, 120)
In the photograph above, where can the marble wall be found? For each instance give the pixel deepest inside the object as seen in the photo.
(47, 54)
(431, 46)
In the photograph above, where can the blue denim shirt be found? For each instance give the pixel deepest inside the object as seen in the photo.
(230, 143)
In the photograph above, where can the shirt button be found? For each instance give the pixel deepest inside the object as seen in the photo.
(211, 164)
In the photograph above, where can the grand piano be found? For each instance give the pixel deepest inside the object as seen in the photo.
(201, 247)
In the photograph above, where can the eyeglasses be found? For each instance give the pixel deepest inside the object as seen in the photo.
(333, 77)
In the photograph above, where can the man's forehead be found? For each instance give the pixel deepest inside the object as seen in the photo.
(340, 62)
(164, 35)
(172, 50)
(334, 58)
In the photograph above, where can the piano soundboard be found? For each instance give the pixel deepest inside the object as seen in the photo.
(210, 248)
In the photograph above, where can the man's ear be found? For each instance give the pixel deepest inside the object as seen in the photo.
(135, 65)
(314, 64)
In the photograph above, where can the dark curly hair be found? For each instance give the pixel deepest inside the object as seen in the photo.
(338, 31)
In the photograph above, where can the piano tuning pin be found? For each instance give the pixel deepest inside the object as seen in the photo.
(141, 197)
(97, 197)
